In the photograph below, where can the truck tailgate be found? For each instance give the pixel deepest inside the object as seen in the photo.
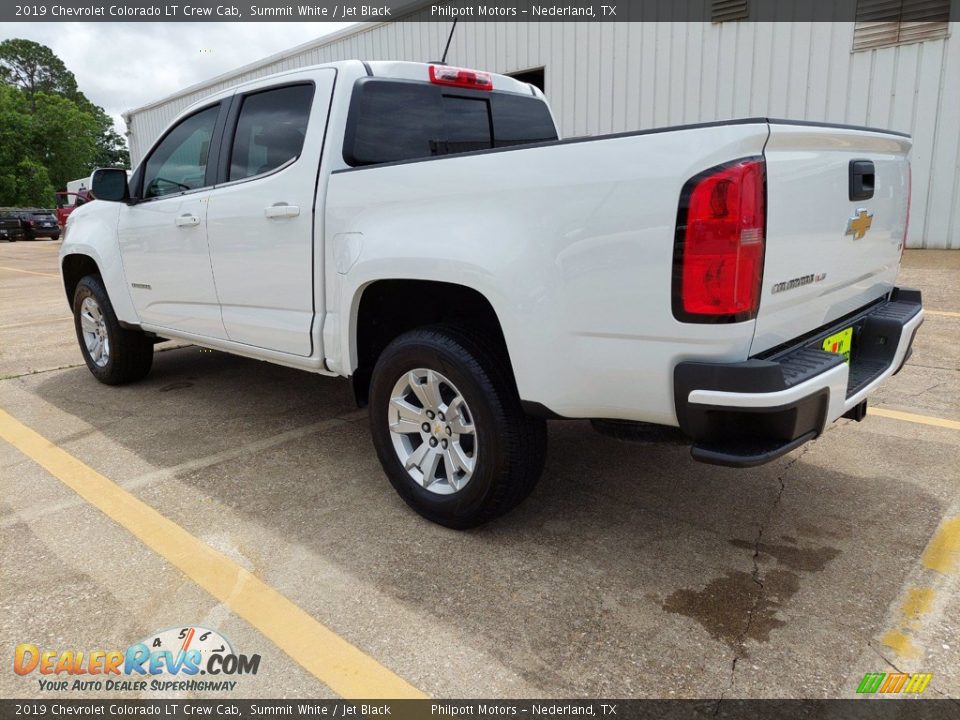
(827, 254)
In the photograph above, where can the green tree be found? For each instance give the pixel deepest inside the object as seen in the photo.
(50, 132)
(15, 129)
(111, 146)
(64, 138)
(35, 68)
(32, 184)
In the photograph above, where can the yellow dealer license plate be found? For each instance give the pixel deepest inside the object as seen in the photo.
(840, 343)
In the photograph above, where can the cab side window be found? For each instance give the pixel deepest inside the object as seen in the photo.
(179, 162)
(271, 127)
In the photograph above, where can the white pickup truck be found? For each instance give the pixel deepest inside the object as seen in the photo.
(422, 230)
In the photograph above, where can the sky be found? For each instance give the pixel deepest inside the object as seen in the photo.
(121, 66)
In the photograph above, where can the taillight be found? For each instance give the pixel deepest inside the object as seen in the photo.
(460, 77)
(719, 243)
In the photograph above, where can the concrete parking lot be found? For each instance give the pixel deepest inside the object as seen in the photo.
(228, 493)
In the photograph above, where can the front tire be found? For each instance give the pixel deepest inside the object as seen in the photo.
(114, 355)
(449, 428)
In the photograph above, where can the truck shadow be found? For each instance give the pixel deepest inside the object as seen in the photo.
(626, 556)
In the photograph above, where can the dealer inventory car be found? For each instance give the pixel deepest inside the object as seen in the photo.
(39, 224)
(11, 228)
(422, 230)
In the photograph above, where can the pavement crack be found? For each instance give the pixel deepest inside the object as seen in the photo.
(741, 642)
(889, 662)
(38, 372)
(43, 371)
(883, 657)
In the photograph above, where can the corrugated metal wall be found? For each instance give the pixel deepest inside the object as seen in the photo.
(611, 77)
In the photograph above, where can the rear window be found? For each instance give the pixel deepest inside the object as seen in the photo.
(393, 120)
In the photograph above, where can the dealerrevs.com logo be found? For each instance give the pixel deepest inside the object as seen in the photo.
(167, 661)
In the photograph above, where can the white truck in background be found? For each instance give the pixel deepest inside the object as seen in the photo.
(422, 230)
(75, 186)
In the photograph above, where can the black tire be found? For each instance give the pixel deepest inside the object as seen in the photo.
(131, 352)
(511, 445)
(55, 237)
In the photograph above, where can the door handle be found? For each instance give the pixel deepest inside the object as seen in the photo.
(862, 179)
(187, 220)
(281, 210)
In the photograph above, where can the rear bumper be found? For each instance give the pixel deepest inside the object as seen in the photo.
(749, 413)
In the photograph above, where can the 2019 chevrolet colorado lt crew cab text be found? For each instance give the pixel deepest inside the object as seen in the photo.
(422, 230)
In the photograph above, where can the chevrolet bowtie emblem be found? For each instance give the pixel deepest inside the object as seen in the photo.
(859, 223)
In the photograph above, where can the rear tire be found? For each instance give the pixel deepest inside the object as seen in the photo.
(114, 355)
(484, 458)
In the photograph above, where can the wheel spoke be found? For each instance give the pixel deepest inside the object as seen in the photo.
(413, 380)
(460, 460)
(429, 467)
(456, 420)
(405, 418)
(431, 391)
(450, 467)
(87, 322)
(416, 457)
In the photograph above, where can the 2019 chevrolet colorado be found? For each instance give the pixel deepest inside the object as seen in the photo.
(422, 230)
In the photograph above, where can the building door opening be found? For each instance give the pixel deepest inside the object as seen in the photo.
(534, 77)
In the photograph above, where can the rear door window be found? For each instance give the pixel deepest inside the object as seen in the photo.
(270, 131)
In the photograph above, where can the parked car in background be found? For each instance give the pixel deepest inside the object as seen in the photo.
(38, 223)
(67, 202)
(11, 228)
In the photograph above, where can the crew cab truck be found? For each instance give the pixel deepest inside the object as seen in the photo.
(422, 230)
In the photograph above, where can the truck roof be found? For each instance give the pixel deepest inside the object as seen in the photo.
(395, 69)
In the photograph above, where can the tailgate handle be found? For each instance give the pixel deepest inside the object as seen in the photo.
(861, 179)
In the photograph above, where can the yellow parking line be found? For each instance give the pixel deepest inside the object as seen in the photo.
(28, 272)
(942, 313)
(943, 552)
(344, 668)
(910, 417)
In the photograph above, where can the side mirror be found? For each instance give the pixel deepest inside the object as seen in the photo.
(110, 184)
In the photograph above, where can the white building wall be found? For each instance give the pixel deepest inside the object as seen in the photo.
(613, 77)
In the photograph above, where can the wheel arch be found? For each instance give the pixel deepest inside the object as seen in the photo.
(384, 309)
(73, 268)
(81, 259)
